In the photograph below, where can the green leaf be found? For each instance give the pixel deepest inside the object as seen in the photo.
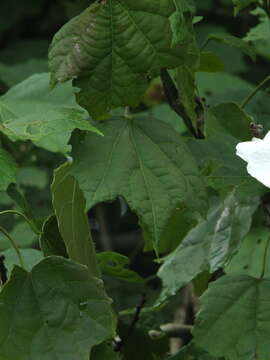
(178, 20)
(191, 352)
(114, 264)
(238, 306)
(51, 241)
(210, 62)
(69, 206)
(21, 202)
(230, 117)
(22, 234)
(217, 155)
(32, 176)
(260, 31)
(145, 161)
(30, 258)
(208, 245)
(164, 113)
(111, 49)
(56, 311)
(8, 169)
(251, 257)
(104, 352)
(15, 73)
(241, 4)
(32, 111)
(234, 42)
(185, 80)
(140, 346)
(209, 86)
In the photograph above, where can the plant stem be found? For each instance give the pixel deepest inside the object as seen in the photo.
(15, 247)
(15, 212)
(254, 92)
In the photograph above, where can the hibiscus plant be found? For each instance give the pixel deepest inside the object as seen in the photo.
(134, 181)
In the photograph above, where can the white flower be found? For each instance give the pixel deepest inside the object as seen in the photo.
(257, 154)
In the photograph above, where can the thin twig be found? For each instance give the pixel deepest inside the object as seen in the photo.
(139, 307)
(15, 212)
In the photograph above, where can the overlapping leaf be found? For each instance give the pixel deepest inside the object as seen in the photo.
(69, 206)
(234, 318)
(216, 154)
(32, 111)
(208, 245)
(56, 311)
(241, 4)
(252, 258)
(191, 352)
(236, 42)
(8, 169)
(116, 265)
(145, 161)
(111, 49)
(50, 239)
(104, 352)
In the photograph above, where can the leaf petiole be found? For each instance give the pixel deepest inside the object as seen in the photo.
(254, 92)
(15, 247)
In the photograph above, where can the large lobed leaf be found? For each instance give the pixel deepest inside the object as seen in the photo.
(234, 318)
(32, 111)
(145, 161)
(111, 49)
(56, 311)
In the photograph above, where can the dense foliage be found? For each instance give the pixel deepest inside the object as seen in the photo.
(129, 227)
